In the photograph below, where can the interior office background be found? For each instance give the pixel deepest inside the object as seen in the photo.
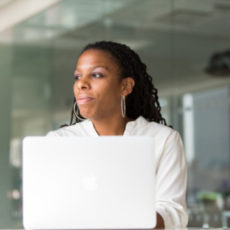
(39, 45)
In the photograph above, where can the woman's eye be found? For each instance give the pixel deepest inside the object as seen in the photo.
(77, 77)
(97, 75)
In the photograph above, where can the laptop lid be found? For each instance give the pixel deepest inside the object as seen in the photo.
(88, 182)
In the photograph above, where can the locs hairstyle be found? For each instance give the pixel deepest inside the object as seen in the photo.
(143, 101)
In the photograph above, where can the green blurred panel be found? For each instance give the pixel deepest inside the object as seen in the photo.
(25, 100)
(31, 61)
(31, 86)
(5, 124)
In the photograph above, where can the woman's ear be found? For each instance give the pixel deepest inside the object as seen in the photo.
(127, 86)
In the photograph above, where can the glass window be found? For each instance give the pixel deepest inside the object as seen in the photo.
(185, 45)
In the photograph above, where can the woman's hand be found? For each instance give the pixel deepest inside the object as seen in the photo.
(160, 222)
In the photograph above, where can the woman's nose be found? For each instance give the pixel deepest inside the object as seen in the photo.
(82, 84)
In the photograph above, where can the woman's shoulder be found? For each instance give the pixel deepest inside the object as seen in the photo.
(78, 129)
(166, 138)
(153, 128)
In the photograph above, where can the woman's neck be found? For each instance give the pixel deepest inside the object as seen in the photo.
(110, 126)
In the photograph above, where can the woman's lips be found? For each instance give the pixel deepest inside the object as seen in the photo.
(84, 100)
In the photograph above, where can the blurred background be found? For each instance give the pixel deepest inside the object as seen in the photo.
(186, 46)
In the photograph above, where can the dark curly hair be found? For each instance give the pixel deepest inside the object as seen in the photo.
(143, 101)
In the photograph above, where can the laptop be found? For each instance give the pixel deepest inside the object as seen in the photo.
(88, 182)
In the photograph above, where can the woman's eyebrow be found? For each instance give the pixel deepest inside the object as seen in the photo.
(91, 67)
(101, 66)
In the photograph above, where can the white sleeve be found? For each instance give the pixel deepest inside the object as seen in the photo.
(171, 183)
(52, 134)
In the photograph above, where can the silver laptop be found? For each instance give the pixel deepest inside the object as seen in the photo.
(88, 183)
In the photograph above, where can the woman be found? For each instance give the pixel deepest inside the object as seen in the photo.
(114, 95)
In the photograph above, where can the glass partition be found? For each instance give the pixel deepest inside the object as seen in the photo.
(176, 39)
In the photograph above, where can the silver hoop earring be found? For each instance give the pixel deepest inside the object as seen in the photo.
(77, 113)
(123, 107)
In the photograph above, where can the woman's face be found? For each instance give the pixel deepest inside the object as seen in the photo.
(98, 85)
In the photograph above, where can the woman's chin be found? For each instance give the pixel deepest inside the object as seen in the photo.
(86, 115)
(90, 116)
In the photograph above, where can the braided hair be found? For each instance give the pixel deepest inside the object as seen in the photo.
(143, 100)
